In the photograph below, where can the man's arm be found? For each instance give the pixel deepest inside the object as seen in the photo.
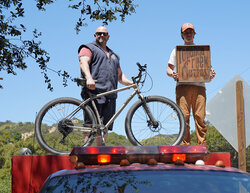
(212, 73)
(122, 78)
(171, 72)
(84, 65)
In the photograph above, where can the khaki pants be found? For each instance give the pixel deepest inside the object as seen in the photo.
(188, 96)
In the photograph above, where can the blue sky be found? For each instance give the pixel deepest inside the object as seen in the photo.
(148, 36)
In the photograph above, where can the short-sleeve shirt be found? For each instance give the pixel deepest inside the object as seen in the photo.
(85, 52)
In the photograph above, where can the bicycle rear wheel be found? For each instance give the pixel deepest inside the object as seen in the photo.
(56, 132)
(170, 128)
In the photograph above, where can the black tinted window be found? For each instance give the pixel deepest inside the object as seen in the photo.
(151, 181)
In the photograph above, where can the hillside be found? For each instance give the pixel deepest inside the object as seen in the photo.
(18, 127)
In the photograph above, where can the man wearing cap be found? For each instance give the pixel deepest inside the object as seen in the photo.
(101, 64)
(190, 94)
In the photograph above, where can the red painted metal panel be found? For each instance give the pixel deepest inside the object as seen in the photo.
(216, 156)
(29, 172)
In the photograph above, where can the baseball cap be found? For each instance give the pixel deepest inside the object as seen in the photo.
(186, 26)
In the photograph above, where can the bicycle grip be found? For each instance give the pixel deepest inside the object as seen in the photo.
(142, 68)
(82, 81)
(139, 65)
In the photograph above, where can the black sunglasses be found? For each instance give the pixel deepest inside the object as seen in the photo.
(102, 33)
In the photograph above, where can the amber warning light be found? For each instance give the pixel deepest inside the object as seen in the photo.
(138, 154)
(103, 159)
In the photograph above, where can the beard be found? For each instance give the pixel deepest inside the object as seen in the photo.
(101, 40)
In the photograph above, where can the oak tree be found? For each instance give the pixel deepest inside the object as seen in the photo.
(14, 49)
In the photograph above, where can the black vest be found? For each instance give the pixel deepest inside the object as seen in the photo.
(103, 69)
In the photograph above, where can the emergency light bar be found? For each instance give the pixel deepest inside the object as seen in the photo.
(137, 154)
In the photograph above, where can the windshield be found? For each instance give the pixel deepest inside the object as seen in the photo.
(151, 182)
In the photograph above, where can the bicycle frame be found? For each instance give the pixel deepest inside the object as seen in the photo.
(92, 97)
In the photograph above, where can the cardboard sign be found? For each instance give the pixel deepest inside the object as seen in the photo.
(193, 63)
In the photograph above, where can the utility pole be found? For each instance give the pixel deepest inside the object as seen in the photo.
(241, 126)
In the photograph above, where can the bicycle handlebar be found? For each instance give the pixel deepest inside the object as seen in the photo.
(143, 68)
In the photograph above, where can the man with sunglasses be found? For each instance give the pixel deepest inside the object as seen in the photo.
(101, 67)
(190, 94)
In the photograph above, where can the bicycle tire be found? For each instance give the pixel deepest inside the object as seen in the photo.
(171, 123)
(51, 126)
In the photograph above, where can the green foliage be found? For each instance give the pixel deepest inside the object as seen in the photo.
(248, 158)
(5, 180)
(14, 49)
(12, 132)
(159, 139)
(117, 140)
(106, 11)
(19, 127)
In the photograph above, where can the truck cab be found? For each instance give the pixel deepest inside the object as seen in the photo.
(146, 169)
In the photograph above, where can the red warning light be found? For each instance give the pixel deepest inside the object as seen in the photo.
(138, 154)
(114, 150)
(117, 150)
(163, 149)
(92, 150)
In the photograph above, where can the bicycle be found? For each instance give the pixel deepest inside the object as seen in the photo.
(151, 120)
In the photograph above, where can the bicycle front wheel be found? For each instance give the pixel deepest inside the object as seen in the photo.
(170, 127)
(57, 132)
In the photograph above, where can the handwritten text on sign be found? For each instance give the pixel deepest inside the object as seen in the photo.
(193, 63)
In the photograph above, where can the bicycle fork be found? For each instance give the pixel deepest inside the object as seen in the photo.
(146, 108)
